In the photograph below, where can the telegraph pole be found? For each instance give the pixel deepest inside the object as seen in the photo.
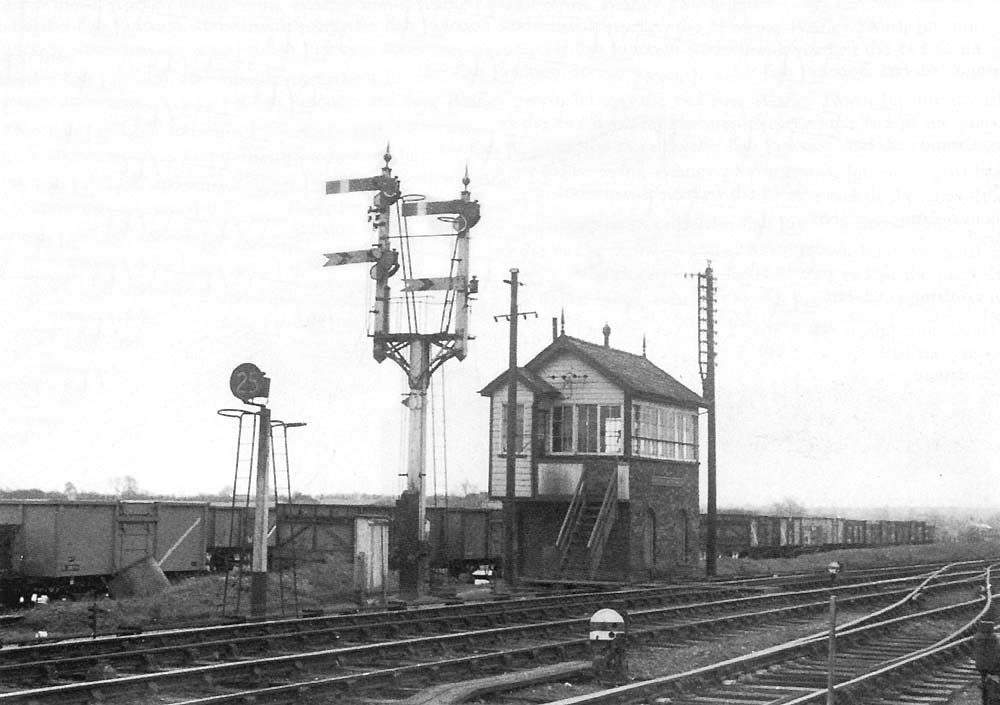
(706, 361)
(428, 350)
(509, 511)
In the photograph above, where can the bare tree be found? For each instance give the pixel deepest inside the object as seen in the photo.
(788, 507)
(126, 487)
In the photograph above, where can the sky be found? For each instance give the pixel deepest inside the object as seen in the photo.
(162, 173)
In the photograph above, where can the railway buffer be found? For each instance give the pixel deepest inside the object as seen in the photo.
(608, 647)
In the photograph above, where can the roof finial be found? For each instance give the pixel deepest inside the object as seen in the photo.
(465, 183)
(562, 320)
(607, 335)
(388, 156)
(644, 345)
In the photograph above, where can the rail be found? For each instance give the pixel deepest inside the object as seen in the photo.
(959, 641)
(271, 668)
(733, 667)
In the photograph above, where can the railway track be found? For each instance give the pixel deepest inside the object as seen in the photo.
(438, 618)
(345, 658)
(876, 662)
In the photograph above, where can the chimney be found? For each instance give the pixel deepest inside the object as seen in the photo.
(607, 335)
(555, 328)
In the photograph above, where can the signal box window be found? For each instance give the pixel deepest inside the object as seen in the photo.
(663, 432)
(611, 429)
(598, 429)
(586, 428)
(518, 429)
(562, 429)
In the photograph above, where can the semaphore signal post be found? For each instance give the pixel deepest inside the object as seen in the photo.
(418, 352)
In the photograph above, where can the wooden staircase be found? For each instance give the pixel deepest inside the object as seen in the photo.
(586, 527)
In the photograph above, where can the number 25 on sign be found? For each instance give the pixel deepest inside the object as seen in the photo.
(248, 382)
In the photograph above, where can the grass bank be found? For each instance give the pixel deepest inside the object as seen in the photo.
(859, 558)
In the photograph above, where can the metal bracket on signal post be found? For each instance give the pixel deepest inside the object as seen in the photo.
(463, 214)
(385, 258)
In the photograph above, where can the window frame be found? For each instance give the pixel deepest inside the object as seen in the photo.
(602, 429)
(558, 415)
(518, 434)
(583, 421)
(664, 432)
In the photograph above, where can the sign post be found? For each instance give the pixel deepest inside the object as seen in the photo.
(247, 383)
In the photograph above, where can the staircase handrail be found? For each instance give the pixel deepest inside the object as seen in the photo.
(572, 514)
(603, 524)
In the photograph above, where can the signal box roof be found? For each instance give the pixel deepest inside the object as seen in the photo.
(529, 379)
(633, 373)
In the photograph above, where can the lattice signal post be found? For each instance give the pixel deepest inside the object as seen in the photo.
(427, 350)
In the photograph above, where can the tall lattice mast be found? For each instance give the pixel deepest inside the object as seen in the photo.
(706, 363)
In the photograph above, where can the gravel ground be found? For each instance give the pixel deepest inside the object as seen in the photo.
(652, 661)
(193, 601)
(189, 602)
(969, 696)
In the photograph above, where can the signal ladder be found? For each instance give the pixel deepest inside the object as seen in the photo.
(281, 480)
(238, 557)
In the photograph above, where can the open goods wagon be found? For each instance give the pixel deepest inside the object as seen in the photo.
(70, 548)
(459, 539)
(462, 540)
(753, 536)
(63, 548)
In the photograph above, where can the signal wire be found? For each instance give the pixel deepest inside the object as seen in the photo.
(407, 264)
(449, 295)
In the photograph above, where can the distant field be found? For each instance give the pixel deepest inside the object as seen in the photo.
(860, 558)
